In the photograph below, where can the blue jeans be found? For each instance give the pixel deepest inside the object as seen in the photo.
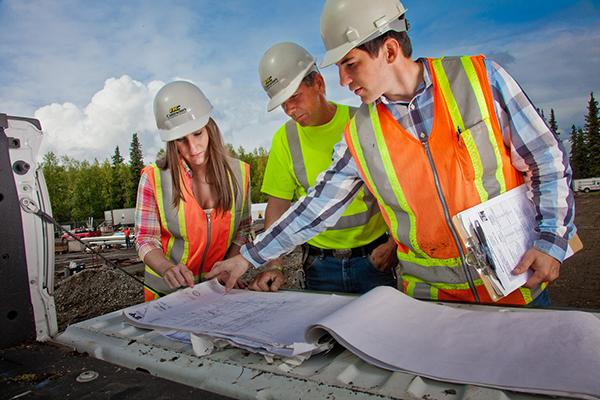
(352, 275)
(542, 300)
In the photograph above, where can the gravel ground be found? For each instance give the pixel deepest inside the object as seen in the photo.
(99, 289)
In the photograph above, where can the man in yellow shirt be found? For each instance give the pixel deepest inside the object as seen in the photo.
(355, 254)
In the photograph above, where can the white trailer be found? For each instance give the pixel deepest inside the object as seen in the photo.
(586, 185)
(119, 217)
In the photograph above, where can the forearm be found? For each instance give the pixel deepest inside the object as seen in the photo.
(312, 214)
(157, 261)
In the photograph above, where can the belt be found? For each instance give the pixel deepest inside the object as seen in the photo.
(343, 254)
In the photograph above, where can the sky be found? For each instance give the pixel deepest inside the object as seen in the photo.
(89, 70)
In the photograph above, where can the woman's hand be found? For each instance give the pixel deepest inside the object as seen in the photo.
(178, 276)
(234, 267)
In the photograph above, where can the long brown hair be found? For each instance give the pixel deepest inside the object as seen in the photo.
(218, 170)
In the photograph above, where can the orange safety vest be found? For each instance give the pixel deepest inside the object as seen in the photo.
(421, 183)
(188, 234)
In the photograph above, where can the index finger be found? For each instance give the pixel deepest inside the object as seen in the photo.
(189, 278)
(215, 270)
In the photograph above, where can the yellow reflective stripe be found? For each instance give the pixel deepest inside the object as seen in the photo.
(434, 293)
(410, 279)
(429, 261)
(477, 166)
(425, 260)
(395, 184)
(475, 85)
(161, 208)
(478, 91)
(183, 231)
(526, 293)
(232, 210)
(149, 270)
(458, 122)
(410, 288)
(448, 96)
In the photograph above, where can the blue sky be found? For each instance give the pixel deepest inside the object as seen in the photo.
(89, 70)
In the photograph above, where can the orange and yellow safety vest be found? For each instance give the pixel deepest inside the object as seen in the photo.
(421, 183)
(189, 235)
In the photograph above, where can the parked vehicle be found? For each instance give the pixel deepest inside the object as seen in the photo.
(120, 217)
(81, 233)
(586, 185)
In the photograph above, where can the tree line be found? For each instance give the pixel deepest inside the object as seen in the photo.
(80, 189)
(585, 144)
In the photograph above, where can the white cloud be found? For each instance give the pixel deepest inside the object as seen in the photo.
(121, 108)
(58, 55)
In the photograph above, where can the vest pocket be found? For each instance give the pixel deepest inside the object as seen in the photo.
(461, 151)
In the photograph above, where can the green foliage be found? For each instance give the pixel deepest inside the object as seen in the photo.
(80, 189)
(578, 154)
(160, 154)
(553, 124)
(136, 164)
(257, 160)
(585, 144)
(591, 130)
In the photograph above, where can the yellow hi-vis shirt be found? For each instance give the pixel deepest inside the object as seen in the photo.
(316, 148)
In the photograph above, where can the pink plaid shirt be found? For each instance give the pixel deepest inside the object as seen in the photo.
(147, 218)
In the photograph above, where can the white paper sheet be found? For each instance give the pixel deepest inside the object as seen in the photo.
(555, 352)
(274, 320)
(547, 352)
(508, 222)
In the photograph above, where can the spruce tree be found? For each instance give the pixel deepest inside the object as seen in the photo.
(591, 130)
(553, 124)
(117, 158)
(136, 164)
(117, 189)
(578, 156)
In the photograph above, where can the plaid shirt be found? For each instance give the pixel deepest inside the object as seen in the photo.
(147, 218)
(534, 151)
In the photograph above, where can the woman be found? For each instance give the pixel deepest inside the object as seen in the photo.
(193, 205)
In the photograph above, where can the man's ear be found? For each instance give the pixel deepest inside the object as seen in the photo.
(320, 83)
(392, 50)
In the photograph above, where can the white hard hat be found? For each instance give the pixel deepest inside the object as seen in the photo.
(346, 24)
(180, 108)
(281, 70)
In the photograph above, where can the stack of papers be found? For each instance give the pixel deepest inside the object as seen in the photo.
(556, 353)
(271, 324)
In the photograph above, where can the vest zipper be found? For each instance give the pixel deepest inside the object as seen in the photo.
(425, 143)
(207, 245)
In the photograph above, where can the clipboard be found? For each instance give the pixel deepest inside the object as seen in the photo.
(476, 256)
(477, 262)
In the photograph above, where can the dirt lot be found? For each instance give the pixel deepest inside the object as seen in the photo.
(99, 289)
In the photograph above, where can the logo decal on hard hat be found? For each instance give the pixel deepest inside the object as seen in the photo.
(175, 111)
(270, 82)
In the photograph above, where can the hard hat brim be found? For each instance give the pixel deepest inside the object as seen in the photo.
(285, 94)
(185, 129)
(334, 55)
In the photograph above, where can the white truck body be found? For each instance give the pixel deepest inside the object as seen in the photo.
(338, 374)
(119, 217)
(586, 185)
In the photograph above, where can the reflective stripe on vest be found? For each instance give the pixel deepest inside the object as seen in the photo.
(210, 230)
(298, 164)
(471, 165)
